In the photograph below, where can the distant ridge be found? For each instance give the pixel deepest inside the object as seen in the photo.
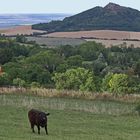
(110, 17)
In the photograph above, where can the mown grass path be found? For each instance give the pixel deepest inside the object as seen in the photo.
(69, 119)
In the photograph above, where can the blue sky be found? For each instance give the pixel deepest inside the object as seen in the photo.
(58, 6)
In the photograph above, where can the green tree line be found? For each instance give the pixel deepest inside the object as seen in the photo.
(86, 67)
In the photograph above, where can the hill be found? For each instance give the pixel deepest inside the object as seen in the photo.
(111, 17)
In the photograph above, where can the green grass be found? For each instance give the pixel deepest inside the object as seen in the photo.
(70, 119)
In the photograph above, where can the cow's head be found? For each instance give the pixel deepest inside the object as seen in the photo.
(43, 118)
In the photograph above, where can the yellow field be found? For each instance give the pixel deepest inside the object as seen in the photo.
(25, 30)
(102, 34)
(106, 37)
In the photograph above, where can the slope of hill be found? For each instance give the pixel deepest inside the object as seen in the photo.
(112, 17)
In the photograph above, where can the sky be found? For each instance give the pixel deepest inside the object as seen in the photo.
(58, 6)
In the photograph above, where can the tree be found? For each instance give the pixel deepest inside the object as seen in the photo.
(62, 67)
(4, 79)
(88, 65)
(75, 61)
(106, 81)
(90, 50)
(14, 70)
(134, 84)
(36, 73)
(75, 79)
(98, 67)
(46, 59)
(5, 55)
(99, 64)
(19, 82)
(119, 83)
(21, 39)
(66, 50)
(137, 68)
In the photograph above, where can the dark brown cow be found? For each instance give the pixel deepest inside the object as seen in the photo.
(38, 118)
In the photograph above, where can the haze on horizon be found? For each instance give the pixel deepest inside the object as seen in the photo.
(58, 6)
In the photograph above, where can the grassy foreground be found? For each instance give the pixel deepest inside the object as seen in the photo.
(70, 119)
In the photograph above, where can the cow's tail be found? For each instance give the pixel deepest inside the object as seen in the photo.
(47, 114)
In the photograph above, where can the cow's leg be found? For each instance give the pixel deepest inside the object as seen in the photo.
(32, 127)
(46, 129)
(38, 129)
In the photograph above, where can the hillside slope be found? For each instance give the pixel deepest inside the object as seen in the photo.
(112, 17)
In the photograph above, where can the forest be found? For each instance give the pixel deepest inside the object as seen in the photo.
(87, 67)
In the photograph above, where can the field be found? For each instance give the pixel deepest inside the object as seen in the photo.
(109, 43)
(58, 41)
(101, 34)
(106, 37)
(26, 30)
(70, 119)
(53, 41)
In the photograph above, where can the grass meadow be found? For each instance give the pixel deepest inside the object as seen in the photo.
(70, 119)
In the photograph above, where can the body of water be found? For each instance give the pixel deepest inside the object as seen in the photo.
(10, 20)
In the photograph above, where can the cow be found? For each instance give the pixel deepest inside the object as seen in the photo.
(39, 119)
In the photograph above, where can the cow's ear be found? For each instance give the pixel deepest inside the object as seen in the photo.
(47, 114)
